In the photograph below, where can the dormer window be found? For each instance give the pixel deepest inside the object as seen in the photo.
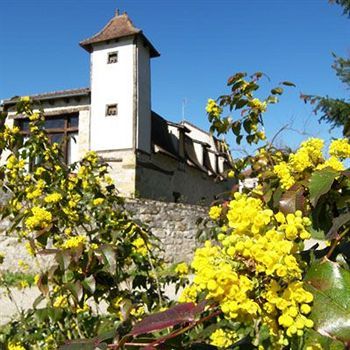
(112, 57)
(111, 110)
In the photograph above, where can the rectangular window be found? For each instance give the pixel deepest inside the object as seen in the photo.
(62, 129)
(112, 57)
(111, 110)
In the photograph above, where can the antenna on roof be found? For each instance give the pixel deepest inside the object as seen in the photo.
(184, 103)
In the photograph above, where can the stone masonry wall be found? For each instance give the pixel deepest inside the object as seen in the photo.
(173, 223)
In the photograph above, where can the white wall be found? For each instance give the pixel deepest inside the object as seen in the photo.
(144, 99)
(110, 84)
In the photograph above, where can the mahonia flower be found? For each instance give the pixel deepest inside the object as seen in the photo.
(181, 269)
(215, 212)
(15, 346)
(53, 198)
(74, 242)
(61, 301)
(40, 219)
(213, 108)
(254, 271)
(140, 246)
(340, 148)
(308, 158)
(260, 105)
(223, 339)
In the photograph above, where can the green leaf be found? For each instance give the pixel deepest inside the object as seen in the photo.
(311, 338)
(320, 183)
(330, 285)
(338, 222)
(277, 91)
(89, 284)
(110, 258)
(288, 83)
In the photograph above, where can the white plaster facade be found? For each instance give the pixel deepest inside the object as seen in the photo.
(148, 155)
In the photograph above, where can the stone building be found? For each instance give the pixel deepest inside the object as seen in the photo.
(149, 156)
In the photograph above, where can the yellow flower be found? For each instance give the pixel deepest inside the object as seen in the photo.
(182, 269)
(74, 242)
(53, 198)
(40, 219)
(340, 148)
(15, 346)
(213, 108)
(98, 201)
(215, 212)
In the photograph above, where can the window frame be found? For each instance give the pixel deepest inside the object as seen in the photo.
(111, 56)
(114, 105)
(66, 130)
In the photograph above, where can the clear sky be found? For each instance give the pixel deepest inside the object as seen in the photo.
(201, 43)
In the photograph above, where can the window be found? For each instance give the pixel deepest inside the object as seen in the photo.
(112, 57)
(111, 110)
(62, 129)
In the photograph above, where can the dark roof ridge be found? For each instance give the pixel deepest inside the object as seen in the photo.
(52, 94)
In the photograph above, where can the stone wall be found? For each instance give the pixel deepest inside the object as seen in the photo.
(173, 223)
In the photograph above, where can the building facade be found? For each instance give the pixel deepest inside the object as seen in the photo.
(149, 156)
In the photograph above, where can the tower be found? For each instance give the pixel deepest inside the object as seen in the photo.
(120, 87)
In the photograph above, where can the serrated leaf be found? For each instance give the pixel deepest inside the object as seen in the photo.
(330, 285)
(320, 183)
(178, 314)
(337, 223)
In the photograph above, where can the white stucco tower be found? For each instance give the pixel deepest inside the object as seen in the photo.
(120, 87)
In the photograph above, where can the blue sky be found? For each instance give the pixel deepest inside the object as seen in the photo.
(201, 43)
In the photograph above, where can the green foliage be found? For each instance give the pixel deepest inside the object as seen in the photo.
(16, 279)
(99, 255)
(335, 111)
(330, 285)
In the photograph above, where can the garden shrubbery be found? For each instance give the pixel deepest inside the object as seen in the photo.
(254, 286)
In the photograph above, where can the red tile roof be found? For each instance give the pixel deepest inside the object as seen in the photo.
(119, 26)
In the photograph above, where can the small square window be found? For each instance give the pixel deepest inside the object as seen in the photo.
(111, 110)
(112, 57)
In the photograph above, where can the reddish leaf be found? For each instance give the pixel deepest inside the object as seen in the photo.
(178, 314)
(292, 200)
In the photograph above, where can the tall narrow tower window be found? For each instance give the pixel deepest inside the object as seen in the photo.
(112, 57)
(111, 110)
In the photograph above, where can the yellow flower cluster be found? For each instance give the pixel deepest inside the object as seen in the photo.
(74, 242)
(61, 301)
(255, 272)
(222, 338)
(309, 157)
(15, 346)
(257, 104)
(53, 198)
(215, 212)
(213, 108)
(40, 219)
(181, 269)
(140, 246)
(340, 148)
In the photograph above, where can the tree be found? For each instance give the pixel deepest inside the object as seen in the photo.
(335, 111)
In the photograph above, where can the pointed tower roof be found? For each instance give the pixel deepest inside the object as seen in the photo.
(119, 26)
